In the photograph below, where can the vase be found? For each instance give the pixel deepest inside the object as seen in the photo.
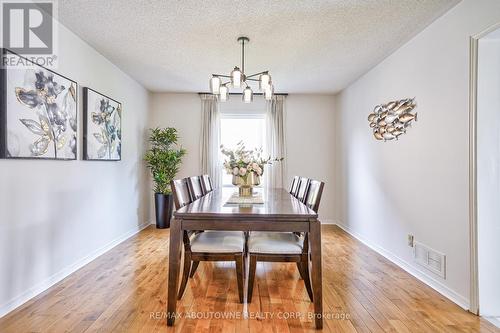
(246, 183)
(164, 204)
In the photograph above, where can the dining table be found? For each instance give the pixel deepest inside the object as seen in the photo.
(279, 211)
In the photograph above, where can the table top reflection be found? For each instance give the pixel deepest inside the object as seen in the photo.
(278, 203)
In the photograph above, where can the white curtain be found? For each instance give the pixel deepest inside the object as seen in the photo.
(210, 138)
(275, 121)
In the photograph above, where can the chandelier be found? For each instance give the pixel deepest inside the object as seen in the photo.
(238, 79)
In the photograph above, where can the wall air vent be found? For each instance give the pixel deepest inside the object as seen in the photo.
(430, 259)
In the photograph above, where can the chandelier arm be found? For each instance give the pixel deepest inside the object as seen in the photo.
(250, 79)
(263, 72)
(220, 75)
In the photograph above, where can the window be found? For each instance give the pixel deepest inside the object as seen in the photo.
(249, 128)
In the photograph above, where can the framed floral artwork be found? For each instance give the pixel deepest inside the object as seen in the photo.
(38, 112)
(102, 133)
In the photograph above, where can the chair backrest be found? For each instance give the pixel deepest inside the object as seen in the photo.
(302, 190)
(314, 192)
(294, 186)
(194, 185)
(206, 184)
(180, 191)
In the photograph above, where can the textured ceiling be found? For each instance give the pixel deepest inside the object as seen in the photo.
(309, 46)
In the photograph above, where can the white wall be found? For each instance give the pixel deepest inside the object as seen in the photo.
(488, 175)
(310, 144)
(309, 125)
(419, 184)
(57, 215)
(182, 111)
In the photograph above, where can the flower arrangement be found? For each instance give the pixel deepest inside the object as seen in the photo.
(241, 162)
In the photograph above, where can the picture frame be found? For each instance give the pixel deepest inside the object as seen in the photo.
(38, 112)
(102, 134)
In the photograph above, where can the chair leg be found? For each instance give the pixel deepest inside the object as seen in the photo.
(301, 269)
(185, 274)
(239, 275)
(306, 277)
(194, 267)
(251, 276)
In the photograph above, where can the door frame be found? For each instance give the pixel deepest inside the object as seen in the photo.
(473, 240)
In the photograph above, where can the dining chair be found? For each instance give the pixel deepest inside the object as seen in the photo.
(284, 246)
(195, 189)
(180, 190)
(210, 245)
(294, 186)
(314, 192)
(206, 184)
(302, 189)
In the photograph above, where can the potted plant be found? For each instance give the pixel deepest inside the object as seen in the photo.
(164, 159)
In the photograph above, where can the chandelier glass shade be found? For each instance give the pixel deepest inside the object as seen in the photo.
(247, 95)
(215, 84)
(268, 92)
(223, 93)
(238, 79)
(264, 81)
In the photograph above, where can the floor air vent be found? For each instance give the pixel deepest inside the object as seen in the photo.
(430, 259)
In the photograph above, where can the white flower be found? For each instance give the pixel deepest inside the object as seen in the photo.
(255, 166)
(246, 160)
(243, 171)
(236, 171)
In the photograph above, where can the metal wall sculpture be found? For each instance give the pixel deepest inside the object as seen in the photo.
(392, 119)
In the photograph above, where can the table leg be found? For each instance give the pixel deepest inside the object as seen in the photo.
(173, 269)
(315, 246)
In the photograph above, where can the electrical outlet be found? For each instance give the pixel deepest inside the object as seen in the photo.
(410, 240)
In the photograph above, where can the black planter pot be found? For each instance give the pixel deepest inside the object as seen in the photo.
(164, 205)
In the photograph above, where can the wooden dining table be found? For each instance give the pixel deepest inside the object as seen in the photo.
(279, 212)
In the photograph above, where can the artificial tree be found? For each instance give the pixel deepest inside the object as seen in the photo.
(163, 160)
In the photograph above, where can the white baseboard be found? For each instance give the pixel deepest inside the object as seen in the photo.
(52, 280)
(422, 276)
(328, 221)
(494, 320)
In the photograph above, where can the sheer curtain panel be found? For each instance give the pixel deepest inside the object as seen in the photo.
(210, 138)
(275, 142)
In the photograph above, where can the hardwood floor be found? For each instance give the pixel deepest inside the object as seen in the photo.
(125, 290)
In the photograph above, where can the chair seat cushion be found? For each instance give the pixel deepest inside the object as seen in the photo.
(275, 242)
(218, 241)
